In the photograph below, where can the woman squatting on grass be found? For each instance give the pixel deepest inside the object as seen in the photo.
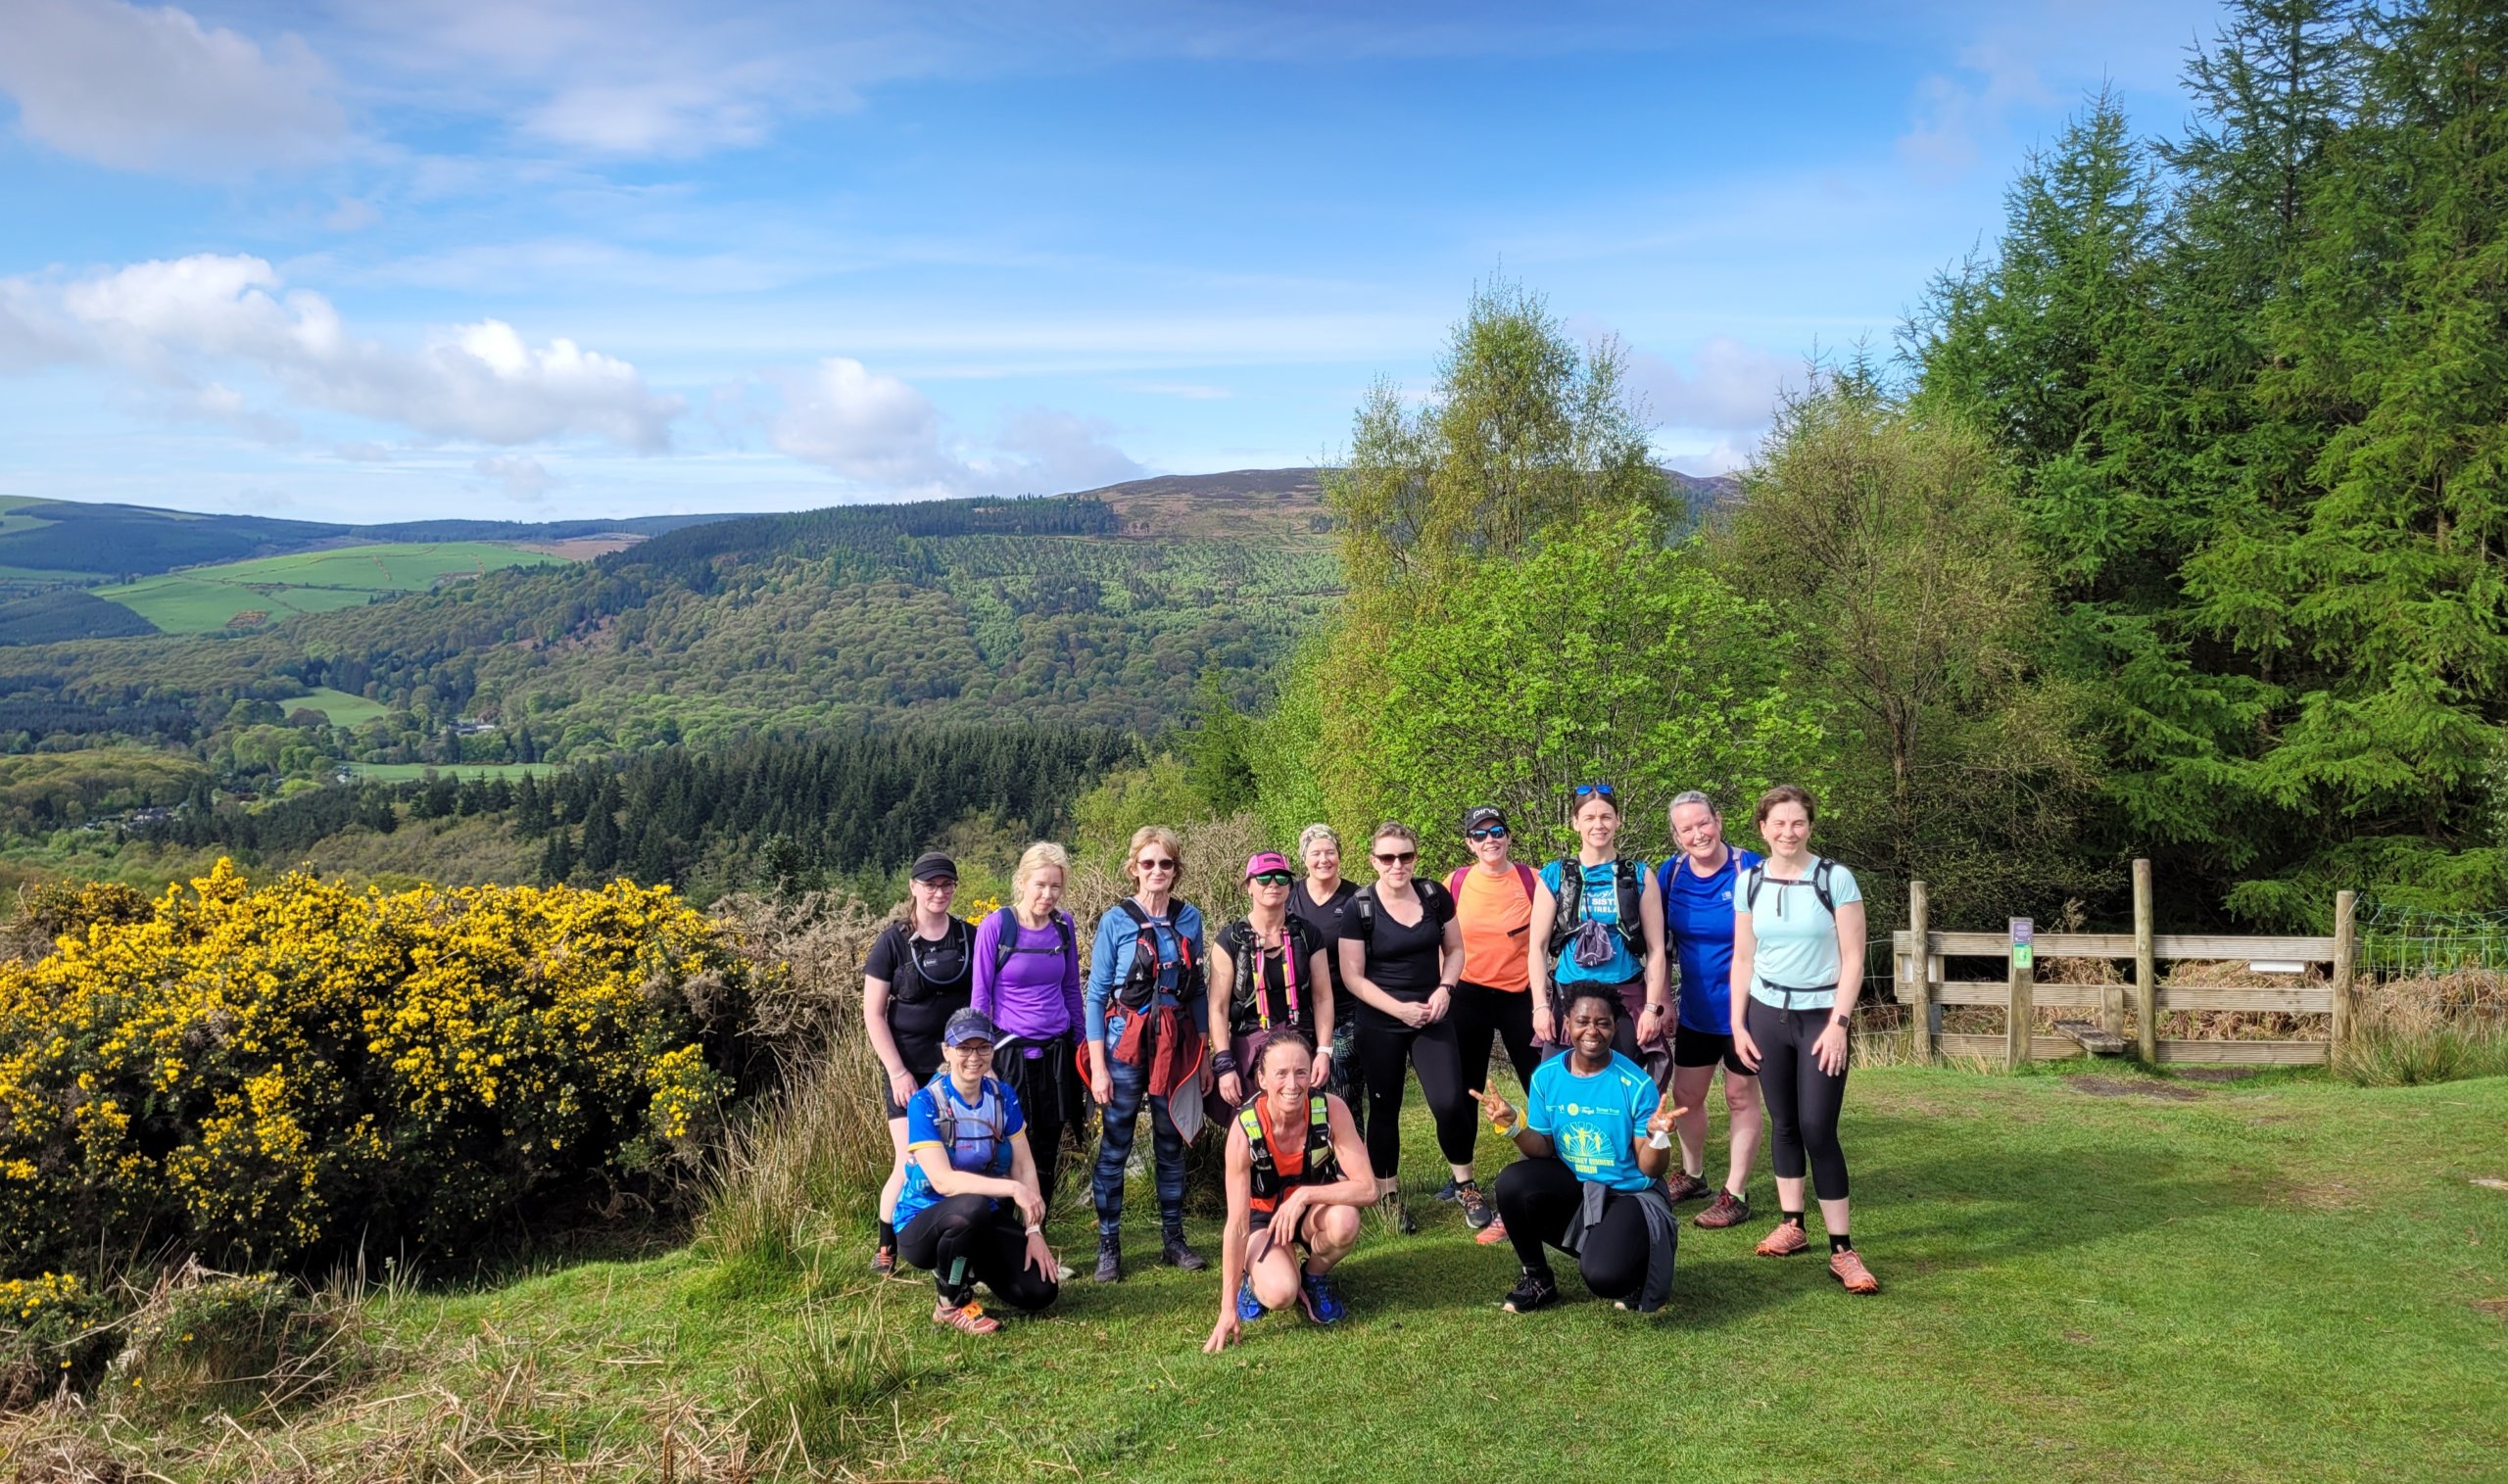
(1798, 966)
(1297, 1179)
(971, 1211)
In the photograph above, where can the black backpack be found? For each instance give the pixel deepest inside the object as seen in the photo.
(1821, 869)
(909, 985)
(1631, 883)
(1296, 942)
(1138, 989)
(1066, 935)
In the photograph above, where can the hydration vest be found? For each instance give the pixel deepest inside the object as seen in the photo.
(990, 1114)
(909, 986)
(1138, 989)
(1823, 869)
(1631, 927)
(1524, 877)
(1364, 904)
(1321, 1166)
(1007, 942)
(1296, 948)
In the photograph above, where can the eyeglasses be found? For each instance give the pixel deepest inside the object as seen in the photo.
(1146, 864)
(1272, 879)
(1397, 858)
(1494, 831)
(971, 1048)
(945, 883)
(1588, 791)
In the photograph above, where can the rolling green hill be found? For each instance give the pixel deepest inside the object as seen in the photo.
(246, 595)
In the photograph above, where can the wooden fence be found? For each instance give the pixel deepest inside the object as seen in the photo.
(2106, 1009)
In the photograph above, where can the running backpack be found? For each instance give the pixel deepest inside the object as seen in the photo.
(1364, 905)
(1524, 877)
(1322, 1164)
(909, 986)
(1247, 952)
(1631, 927)
(1007, 944)
(993, 1109)
(1821, 870)
(1139, 987)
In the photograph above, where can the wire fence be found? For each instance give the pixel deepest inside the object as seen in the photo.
(2408, 943)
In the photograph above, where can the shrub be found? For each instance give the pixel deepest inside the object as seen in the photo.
(2409, 1033)
(275, 1072)
(55, 1331)
(218, 1339)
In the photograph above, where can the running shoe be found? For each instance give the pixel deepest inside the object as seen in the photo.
(1396, 1215)
(1848, 1268)
(884, 1262)
(1684, 1186)
(968, 1317)
(1248, 1308)
(1175, 1254)
(1322, 1305)
(1447, 1191)
(1534, 1289)
(1110, 1261)
(1786, 1240)
(1477, 1213)
(1493, 1233)
(1729, 1210)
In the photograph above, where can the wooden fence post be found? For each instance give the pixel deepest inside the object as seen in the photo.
(2023, 1008)
(1917, 988)
(2346, 956)
(2146, 971)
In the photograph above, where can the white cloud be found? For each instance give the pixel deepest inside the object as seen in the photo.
(1955, 117)
(174, 324)
(153, 90)
(352, 215)
(1729, 387)
(519, 475)
(885, 436)
(665, 118)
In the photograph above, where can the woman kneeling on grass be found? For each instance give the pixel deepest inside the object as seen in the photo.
(973, 1186)
(1298, 1178)
(1798, 964)
(1596, 1140)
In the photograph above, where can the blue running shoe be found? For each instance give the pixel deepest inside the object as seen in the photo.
(1248, 1308)
(1322, 1305)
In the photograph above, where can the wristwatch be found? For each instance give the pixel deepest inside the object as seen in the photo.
(1655, 1009)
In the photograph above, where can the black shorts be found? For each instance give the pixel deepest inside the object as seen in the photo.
(1704, 1048)
(1260, 1221)
(912, 1056)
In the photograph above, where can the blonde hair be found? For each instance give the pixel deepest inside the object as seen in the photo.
(1154, 834)
(1036, 858)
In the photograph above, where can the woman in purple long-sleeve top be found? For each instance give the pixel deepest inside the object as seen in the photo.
(1029, 986)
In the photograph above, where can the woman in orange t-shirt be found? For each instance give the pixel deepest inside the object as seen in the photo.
(1493, 902)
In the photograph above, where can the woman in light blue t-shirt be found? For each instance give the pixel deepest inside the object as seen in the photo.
(1797, 965)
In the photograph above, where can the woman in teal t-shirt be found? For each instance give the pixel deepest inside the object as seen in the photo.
(1595, 1139)
(1595, 920)
(1797, 965)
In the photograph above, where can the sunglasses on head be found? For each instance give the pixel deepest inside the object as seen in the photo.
(1272, 879)
(1588, 791)
(1488, 832)
(1396, 858)
(1147, 863)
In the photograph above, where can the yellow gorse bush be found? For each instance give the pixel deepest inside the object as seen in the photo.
(277, 1070)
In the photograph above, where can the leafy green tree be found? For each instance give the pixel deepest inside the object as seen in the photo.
(1220, 750)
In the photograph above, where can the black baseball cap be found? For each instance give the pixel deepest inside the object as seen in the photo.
(932, 866)
(1483, 814)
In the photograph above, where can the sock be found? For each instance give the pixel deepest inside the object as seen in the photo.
(956, 1290)
(1791, 1217)
(889, 1236)
(1839, 1242)
(1541, 1274)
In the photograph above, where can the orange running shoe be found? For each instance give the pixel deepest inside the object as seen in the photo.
(1493, 1233)
(1848, 1267)
(1785, 1241)
(967, 1319)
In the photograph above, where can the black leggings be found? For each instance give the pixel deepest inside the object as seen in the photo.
(1803, 1101)
(1538, 1197)
(1478, 1014)
(1047, 1087)
(1431, 1051)
(965, 1239)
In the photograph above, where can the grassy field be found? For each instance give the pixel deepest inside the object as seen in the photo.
(208, 599)
(339, 707)
(2086, 1278)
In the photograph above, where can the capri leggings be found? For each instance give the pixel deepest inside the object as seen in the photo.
(1538, 1197)
(970, 1239)
(1803, 1101)
(1433, 1052)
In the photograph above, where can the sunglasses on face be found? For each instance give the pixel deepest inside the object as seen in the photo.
(1396, 858)
(1588, 791)
(1272, 879)
(1493, 832)
(1146, 864)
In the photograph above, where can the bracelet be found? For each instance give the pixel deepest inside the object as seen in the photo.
(1223, 1061)
(1034, 1230)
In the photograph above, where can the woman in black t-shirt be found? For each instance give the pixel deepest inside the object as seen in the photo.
(1401, 954)
(1322, 903)
(921, 972)
(1267, 974)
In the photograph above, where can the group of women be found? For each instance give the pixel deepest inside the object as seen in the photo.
(1616, 988)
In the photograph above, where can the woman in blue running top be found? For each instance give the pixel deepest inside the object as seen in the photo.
(1697, 887)
(1797, 965)
(1594, 1139)
(1602, 924)
(971, 1211)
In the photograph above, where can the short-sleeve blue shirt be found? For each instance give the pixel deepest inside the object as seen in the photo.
(1600, 904)
(978, 1139)
(1593, 1122)
(1698, 917)
(1797, 941)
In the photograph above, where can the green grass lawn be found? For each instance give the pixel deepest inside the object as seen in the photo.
(339, 707)
(206, 599)
(2288, 1278)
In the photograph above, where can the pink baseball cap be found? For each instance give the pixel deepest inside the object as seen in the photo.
(1267, 860)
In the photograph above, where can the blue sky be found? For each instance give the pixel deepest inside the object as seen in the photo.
(371, 259)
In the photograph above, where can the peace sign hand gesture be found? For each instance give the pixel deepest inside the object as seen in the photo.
(1501, 1115)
